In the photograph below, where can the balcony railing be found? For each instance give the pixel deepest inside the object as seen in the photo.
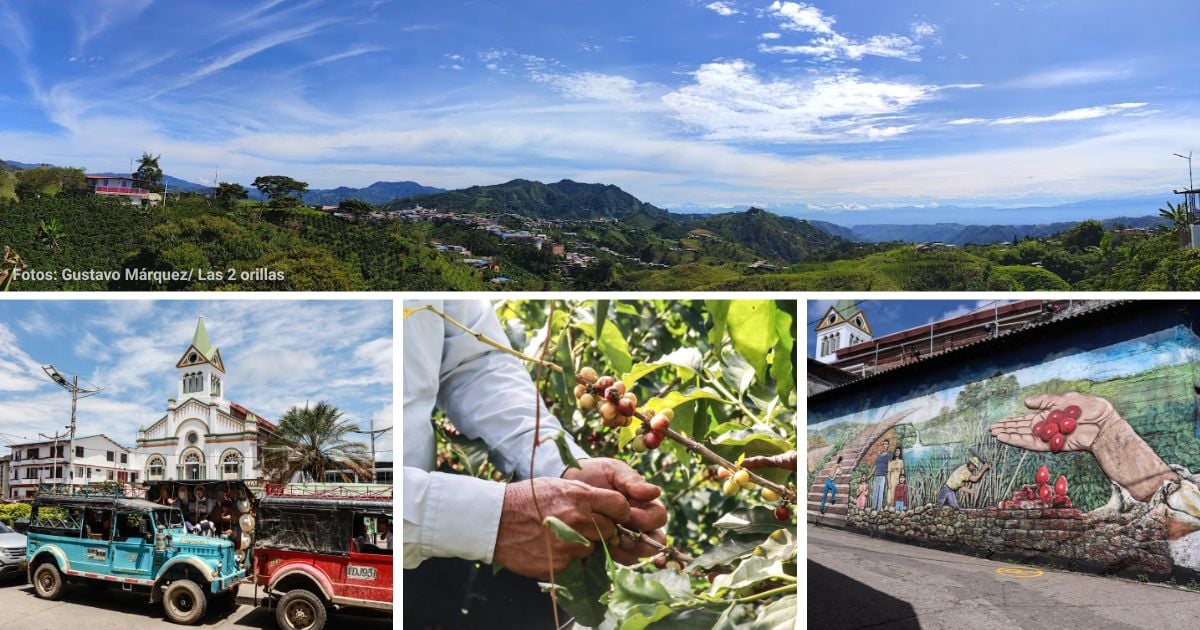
(120, 190)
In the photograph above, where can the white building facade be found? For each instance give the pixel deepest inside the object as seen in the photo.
(97, 459)
(203, 435)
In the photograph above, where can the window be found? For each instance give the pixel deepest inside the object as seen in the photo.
(58, 451)
(31, 473)
(32, 453)
(78, 451)
(156, 466)
(192, 466)
(110, 455)
(124, 458)
(110, 475)
(133, 477)
(231, 463)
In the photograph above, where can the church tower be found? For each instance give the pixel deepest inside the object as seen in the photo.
(200, 369)
(842, 326)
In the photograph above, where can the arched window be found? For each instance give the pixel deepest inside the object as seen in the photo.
(156, 465)
(193, 465)
(231, 464)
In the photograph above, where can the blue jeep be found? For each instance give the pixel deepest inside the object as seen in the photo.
(112, 539)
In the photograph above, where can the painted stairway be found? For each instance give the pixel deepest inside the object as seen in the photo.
(852, 453)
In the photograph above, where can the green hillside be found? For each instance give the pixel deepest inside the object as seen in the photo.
(561, 200)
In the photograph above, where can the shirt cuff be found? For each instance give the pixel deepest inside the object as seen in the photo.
(461, 517)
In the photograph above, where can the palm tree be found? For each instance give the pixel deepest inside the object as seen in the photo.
(148, 171)
(314, 440)
(1179, 216)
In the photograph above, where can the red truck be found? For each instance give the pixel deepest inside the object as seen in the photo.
(317, 554)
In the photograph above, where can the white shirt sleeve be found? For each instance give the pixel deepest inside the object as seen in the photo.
(448, 515)
(489, 394)
(486, 394)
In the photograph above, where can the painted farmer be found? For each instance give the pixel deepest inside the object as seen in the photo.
(961, 479)
(879, 488)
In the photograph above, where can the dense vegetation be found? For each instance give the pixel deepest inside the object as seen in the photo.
(722, 373)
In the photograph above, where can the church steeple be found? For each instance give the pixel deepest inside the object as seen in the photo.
(200, 368)
(842, 326)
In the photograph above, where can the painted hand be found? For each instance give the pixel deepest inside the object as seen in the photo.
(647, 514)
(1097, 415)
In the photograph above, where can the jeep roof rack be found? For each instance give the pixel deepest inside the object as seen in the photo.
(351, 492)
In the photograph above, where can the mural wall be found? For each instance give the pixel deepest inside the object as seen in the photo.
(1084, 448)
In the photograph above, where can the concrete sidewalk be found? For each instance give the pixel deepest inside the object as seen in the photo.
(855, 581)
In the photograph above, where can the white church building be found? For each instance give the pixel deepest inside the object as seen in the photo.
(203, 435)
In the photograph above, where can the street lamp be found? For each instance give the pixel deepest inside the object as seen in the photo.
(1188, 157)
(373, 432)
(77, 392)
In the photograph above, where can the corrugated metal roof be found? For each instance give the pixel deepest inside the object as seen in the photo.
(1085, 309)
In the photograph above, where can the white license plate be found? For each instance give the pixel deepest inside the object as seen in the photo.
(360, 573)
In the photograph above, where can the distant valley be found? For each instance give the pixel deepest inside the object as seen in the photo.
(960, 234)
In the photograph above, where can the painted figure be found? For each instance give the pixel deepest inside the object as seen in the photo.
(901, 493)
(895, 470)
(861, 499)
(961, 479)
(831, 485)
(879, 488)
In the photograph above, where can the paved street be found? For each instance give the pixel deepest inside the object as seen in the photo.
(856, 581)
(87, 608)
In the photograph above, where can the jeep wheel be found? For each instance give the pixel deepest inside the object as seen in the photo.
(48, 582)
(184, 602)
(300, 610)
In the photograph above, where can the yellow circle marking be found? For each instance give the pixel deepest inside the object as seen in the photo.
(1020, 572)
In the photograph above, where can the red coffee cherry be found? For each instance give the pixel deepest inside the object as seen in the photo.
(1054, 416)
(652, 440)
(1057, 442)
(1043, 474)
(1073, 411)
(660, 423)
(1044, 493)
(660, 562)
(604, 382)
(782, 513)
(1060, 486)
(1067, 425)
(626, 406)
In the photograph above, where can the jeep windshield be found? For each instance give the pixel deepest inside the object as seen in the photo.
(169, 519)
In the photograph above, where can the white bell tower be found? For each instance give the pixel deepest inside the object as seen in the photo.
(200, 369)
(842, 326)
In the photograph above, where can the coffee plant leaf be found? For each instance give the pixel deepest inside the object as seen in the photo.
(579, 589)
(728, 550)
(718, 311)
(754, 520)
(749, 572)
(782, 369)
(687, 619)
(565, 532)
(752, 328)
(732, 617)
(472, 452)
(564, 451)
(778, 615)
(601, 316)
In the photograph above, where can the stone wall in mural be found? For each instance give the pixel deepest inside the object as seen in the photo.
(1090, 457)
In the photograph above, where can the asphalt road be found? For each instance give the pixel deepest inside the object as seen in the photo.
(856, 581)
(87, 608)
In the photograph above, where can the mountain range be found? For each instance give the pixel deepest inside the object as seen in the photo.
(962, 234)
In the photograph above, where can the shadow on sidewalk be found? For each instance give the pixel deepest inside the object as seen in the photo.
(836, 602)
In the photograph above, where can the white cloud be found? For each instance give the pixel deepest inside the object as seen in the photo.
(1070, 115)
(830, 45)
(798, 16)
(722, 8)
(591, 86)
(770, 36)
(1079, 75)
(729, 101)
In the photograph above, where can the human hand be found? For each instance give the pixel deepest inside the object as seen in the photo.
(647, 514)
(1122, 454)
(520, 541)
(1095, 415)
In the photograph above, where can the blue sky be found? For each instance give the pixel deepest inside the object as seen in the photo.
(684, 103)
(277, 354)
(888, 316)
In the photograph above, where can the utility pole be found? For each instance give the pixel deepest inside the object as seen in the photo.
(77, 392)
(374, 432)
(53, 450)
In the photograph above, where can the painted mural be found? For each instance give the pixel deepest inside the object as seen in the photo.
(1090, 455)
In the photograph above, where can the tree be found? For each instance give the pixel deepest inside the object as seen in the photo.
(228, 194)
(49, 181)
(313, 440)
(280, 189)
(1181, 220)
(51, 234)
(1086, 234)
(8, 186)
(356, 207)
(149, 173)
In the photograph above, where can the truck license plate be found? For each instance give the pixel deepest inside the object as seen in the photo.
(360, 573)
